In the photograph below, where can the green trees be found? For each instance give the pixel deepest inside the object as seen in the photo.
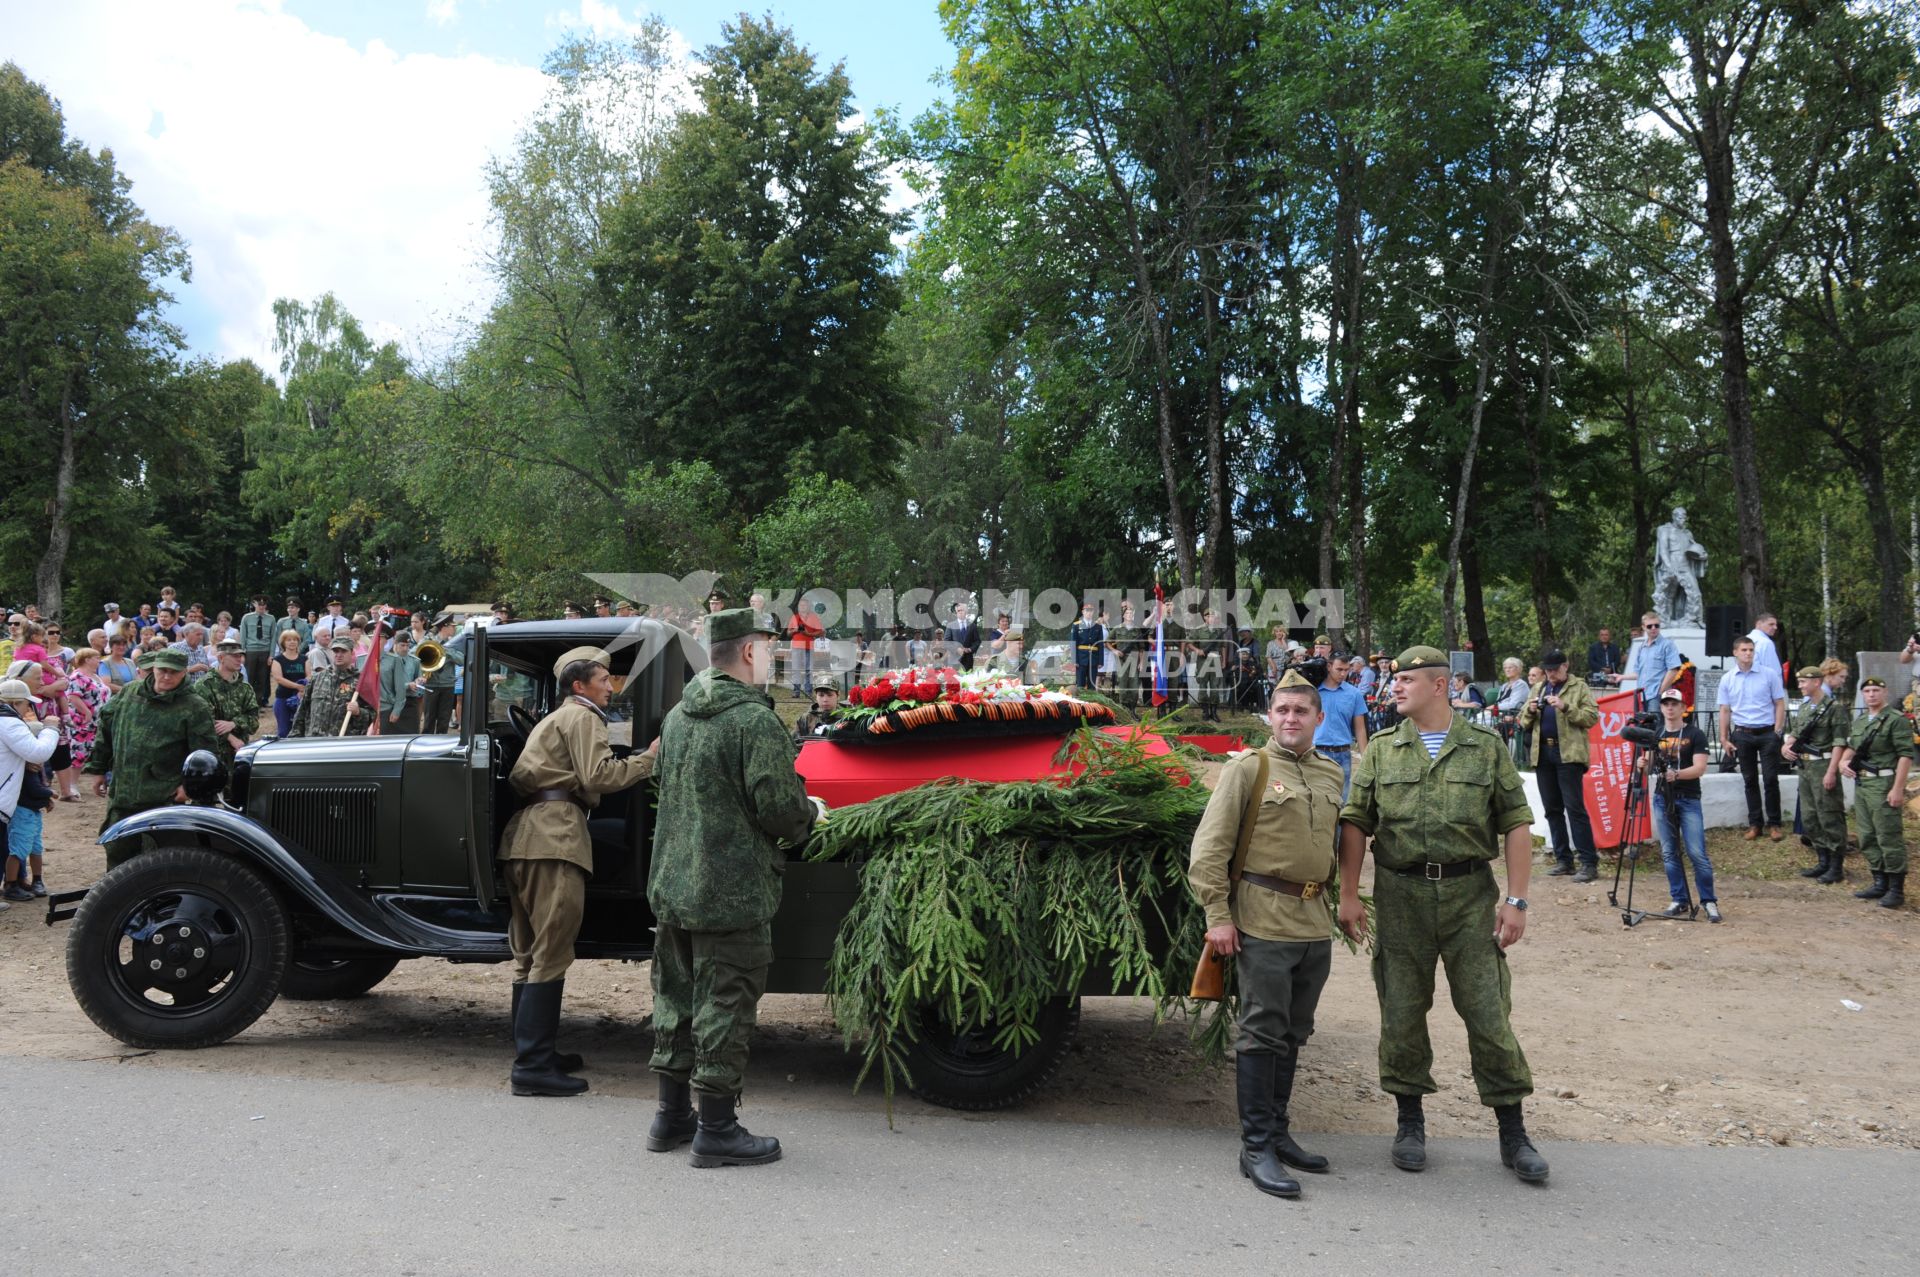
(747, 279)
(85, 352)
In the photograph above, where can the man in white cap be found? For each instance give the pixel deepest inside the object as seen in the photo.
(547, 853)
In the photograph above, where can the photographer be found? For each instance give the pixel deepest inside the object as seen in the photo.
(1682, 758)
(1753, 714)
(1559, 713)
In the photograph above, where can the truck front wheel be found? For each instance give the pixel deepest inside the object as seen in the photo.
(178, 947)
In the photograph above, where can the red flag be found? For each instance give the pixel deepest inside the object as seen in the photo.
(368, 689)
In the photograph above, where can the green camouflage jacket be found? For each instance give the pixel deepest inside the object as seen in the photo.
(1456, 807)
(233, 701)
(729, 797)
(324, 704)
(143, 740)
(1821, 725)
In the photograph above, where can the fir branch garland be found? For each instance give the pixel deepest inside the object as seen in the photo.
(981, 901)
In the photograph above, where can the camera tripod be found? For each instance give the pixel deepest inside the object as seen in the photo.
(1637, 803)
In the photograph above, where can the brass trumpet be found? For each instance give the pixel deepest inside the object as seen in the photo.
(430, 655)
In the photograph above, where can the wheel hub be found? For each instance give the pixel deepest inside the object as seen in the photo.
(173, 951)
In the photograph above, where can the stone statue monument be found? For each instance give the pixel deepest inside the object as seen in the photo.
(1679, 562)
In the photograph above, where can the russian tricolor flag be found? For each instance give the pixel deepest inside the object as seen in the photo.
(1159, 646)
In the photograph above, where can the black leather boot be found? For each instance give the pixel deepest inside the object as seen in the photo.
(1288, 1151)
(1815, 871)
(1253, 1088)
(1896, 891)
(1517, 1151)
(673, 1123)
(536, 1023)
(1836, 868)
(720, 1140)
(1562, 867)
(1873, 890)
(1410, 1136)
(565, 1061)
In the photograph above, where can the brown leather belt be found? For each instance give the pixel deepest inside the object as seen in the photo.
(555, 794)
(1304, 890)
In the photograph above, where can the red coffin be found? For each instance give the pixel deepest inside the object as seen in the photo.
(840, 774)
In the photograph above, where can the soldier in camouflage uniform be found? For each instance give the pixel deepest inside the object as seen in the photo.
(1124, 638)
(1441, 798)
(229, 697)
(1813, 743)
(1879, 754)
(729, 800)
(1203, 648)
(144, 737)
(329, 696)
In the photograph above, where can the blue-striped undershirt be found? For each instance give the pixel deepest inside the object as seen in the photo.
(1433, 741)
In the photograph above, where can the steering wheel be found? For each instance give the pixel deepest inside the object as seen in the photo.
(522, 720)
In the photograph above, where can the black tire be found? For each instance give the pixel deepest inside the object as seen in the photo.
(967, 1071)
(211, 982)
(333, 979)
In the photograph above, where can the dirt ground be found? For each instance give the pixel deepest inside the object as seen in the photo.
(1667, 1033)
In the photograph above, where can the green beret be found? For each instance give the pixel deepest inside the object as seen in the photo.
(1808, 671)
(167, 659)
(735, 623)
(1420, 658)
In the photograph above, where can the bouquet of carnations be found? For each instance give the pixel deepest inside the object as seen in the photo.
(923, 696)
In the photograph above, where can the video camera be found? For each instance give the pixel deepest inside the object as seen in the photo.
(1644, 729)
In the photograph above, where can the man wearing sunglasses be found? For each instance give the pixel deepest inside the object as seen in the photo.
(1655, 665)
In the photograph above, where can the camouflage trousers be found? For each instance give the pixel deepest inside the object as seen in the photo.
(1279, 982)
(1823, 811)
(1883, 838)
(121, 850)
(706, 997)
(1419, 923)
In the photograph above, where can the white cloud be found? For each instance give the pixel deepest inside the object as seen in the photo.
(443, 12)
(600, 17)
(291, 161)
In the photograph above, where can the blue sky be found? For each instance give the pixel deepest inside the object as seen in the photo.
(302, 146)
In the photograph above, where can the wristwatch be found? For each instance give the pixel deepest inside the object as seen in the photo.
(1517, 903)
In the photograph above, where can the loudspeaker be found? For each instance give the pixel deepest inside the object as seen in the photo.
(1725, 623)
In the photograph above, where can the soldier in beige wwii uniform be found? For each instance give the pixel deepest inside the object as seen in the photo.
(1262, 857)
(566, 766)
(1441, 798)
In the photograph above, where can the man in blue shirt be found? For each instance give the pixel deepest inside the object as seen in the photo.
(1343, 730)
(1656, 664)
(1753, 714)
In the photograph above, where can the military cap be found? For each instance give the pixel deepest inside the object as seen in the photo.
(736, 623)
(824, 683)
(573, 654)
(341, 643)
(1420, 658)
(1552, 659)
(1808, 671)
(1873, 681)
(167, 659)
(335, 598)
(229, 645)
(1319, 639)
(402, 636)
(1293, 678)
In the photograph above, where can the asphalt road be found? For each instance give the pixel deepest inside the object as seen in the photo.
(120, 1168)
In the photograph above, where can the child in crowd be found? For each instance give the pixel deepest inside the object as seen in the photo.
(27, 742)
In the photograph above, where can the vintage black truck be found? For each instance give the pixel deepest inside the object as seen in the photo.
(325, 862)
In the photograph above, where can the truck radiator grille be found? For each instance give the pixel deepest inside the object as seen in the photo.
(334, 822)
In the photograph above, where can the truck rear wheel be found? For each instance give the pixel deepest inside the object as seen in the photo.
(178, 947)
(965, 1069)
(333, 979)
